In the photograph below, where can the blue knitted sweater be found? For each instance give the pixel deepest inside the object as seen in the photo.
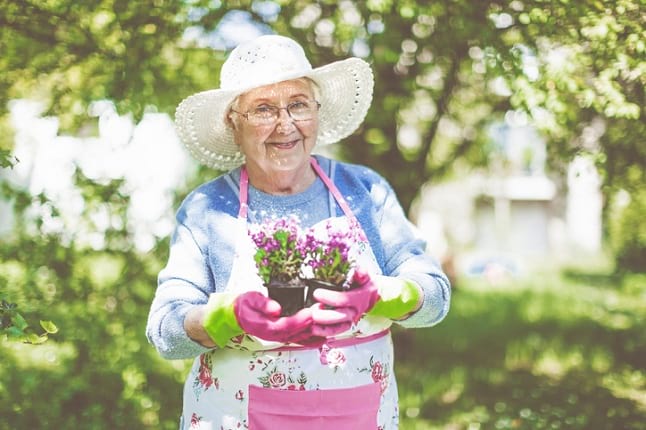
(202, 246)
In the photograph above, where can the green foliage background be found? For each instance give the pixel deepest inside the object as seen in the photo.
(554, 350)
(551, 352)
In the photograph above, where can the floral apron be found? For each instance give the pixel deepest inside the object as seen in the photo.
(346, 384)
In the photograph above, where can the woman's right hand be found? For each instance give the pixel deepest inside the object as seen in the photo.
(259, 316)
(227, 315)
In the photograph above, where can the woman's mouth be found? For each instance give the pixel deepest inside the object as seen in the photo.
(285, 145)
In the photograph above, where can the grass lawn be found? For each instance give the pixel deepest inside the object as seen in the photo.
(555, 351)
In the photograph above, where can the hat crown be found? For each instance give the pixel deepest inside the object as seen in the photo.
(262, 61)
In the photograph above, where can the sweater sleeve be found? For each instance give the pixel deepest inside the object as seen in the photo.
(199, 262)
(401, 251)
(406, 257)
(183, 283)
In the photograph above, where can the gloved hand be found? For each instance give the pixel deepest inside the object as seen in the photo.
(229, 315)
(347, 306)
(397, 297)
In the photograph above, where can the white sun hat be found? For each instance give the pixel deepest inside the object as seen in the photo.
(344, 87)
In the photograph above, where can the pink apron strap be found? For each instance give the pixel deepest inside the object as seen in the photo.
(244, 193)
(333, 189)
(345, 207)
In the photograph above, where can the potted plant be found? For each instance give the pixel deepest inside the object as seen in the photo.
(328, 259)
(279, 258)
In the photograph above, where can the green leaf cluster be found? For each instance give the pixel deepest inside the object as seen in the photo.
(6, 159)
(99, 365)
(14, 327)
(444, 71)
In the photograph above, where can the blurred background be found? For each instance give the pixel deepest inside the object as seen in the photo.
(513, 132)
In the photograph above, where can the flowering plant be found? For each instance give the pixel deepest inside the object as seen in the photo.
(284, 252)
(279, 250)
(329, 257)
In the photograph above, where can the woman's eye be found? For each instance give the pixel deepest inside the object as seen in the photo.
(298, 106)
(264, 110)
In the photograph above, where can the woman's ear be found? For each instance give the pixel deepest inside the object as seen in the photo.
(228, 120)
(231, 124)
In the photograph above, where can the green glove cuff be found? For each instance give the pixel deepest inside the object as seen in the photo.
(220, 321)
(397, 298)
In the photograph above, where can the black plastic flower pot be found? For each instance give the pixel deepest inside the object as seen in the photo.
(291, 296)
(313, 284)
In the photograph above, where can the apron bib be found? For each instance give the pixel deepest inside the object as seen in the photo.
(347, 383)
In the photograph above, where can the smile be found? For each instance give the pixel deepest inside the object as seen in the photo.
(285, 145)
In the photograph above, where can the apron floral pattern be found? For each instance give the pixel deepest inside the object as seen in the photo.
(216, 392)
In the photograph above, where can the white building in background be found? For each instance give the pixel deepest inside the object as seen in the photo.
(584, 206)
(512, 216)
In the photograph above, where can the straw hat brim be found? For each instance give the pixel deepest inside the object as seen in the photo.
(345, 94)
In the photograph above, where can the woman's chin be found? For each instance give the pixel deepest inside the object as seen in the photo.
(286, 160)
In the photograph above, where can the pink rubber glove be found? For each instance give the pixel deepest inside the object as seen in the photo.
(348, 306)
(259, 316)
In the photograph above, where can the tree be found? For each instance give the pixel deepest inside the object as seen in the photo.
(70, 54)
(447, 68)
(444, 71)
(97, 371)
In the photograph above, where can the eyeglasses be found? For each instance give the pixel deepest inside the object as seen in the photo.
(269, 114)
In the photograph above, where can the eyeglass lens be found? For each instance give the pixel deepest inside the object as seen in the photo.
(298, 111)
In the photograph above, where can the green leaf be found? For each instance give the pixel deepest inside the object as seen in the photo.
(49, 326)
(19, 322)
(14, 333)
(6, 159)
(35, 339)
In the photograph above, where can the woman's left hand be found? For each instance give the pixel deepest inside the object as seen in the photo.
(347, 306)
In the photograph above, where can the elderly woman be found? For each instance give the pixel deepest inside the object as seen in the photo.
(329, 365)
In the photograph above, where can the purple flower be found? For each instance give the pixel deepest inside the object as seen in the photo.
(279, 249)
(283, 249)
(329, 258)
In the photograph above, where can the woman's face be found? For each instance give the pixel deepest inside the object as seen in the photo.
(285, 144)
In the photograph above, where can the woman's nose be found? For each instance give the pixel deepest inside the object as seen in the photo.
(285, 120)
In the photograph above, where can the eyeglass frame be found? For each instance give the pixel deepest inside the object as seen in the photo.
(278, 109)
